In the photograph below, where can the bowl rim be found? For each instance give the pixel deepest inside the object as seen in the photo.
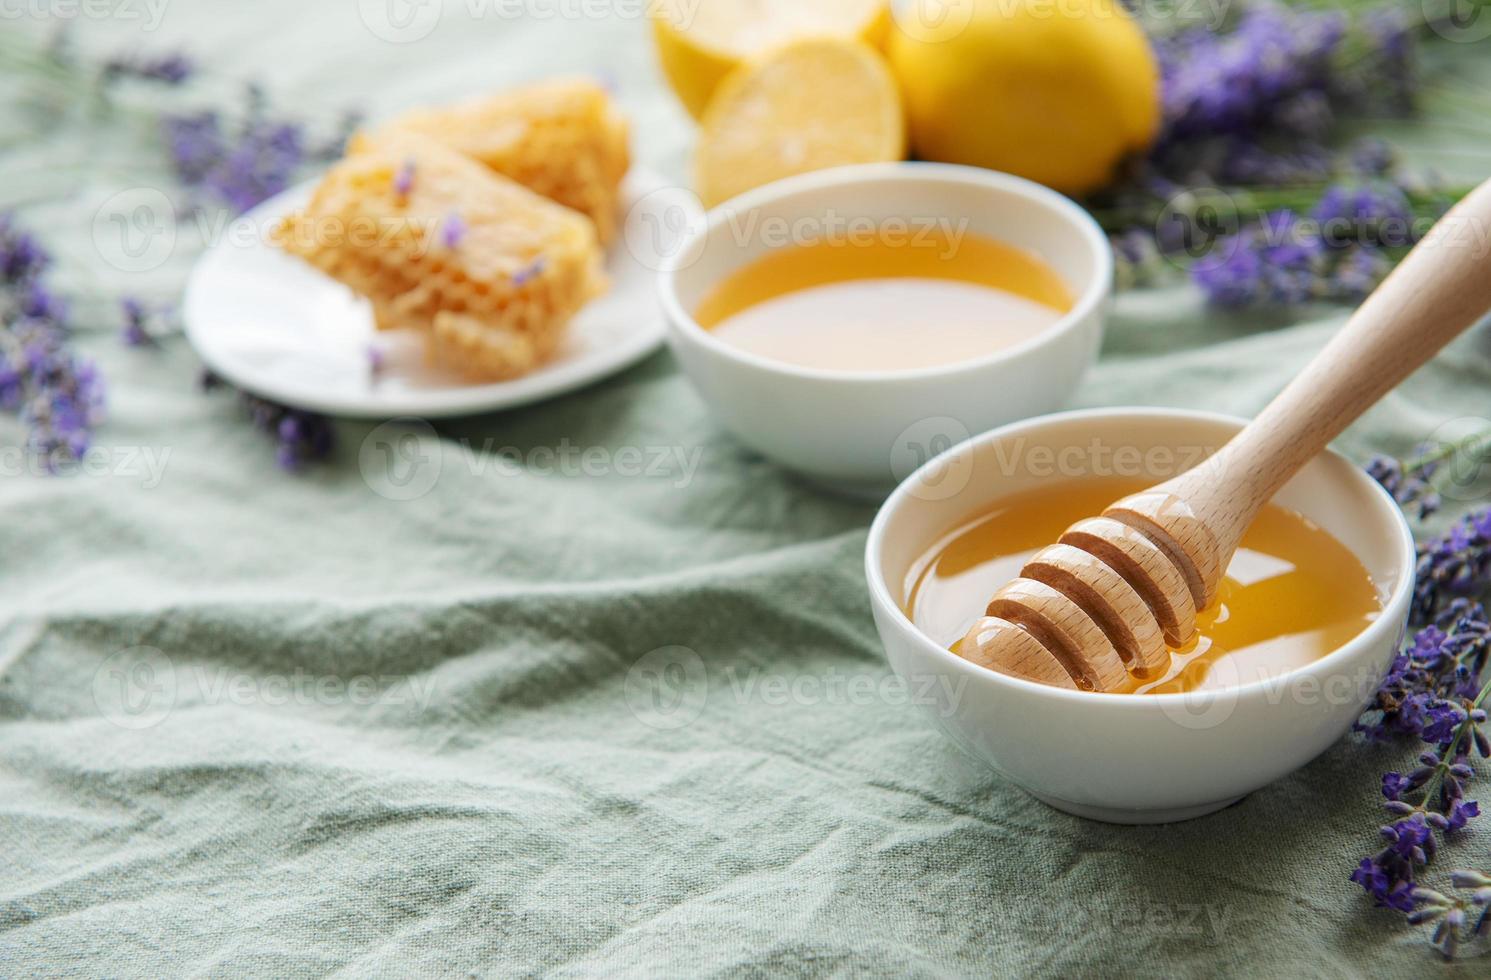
(1088, 303)
(881, 598)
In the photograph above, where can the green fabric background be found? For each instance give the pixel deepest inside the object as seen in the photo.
(520, 816)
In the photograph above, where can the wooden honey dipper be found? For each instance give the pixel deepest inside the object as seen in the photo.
(1105, 601)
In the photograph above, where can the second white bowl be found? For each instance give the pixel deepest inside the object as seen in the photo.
(1136, 758)
(864, 431)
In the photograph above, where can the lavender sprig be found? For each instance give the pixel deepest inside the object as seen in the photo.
(1470, 913)
(1453, 566)
(57, 394)
(301, 437)
(1436, 691)
(170, 69)
(235, 159)
(1412, 482)
(242, 164)
(1247, 109)
(1250, 105)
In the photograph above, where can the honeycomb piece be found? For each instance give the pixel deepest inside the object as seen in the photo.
(562, 138)
(439, 243)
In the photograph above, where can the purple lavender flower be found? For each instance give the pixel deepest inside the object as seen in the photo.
(1409, 484)
(1382, 878)
(242, 165)
(1233, 276)
(1275, 262)
(1455, 564)
(1250, 105)
(529, 272)
(1354, 275)
(1434, 690)
(22, 259)
(57, 395)
(1410, 839)
(1368, 214)
(136, 332)
(1393, 785)
(1334, 254)
(403, 181)
(453, 231)
(1230, 83)
(301, 437)
(1440, 721)
(1280, 70)
(259, 165)
(195, 143)
(1461, 811)
(171, 69)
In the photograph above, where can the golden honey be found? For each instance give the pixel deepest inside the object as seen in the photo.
(1292, 593)
(890, 299)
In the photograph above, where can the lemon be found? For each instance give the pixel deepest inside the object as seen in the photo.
(808, 105)
(1058, 91)
(699, 42)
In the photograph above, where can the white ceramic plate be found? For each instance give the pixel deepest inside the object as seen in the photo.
(272, 325)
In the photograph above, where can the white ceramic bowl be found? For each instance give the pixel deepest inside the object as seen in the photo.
(864, 431)
(1131, 758)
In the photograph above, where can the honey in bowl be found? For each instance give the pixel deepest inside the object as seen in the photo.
(1292, 593)
(890, 300)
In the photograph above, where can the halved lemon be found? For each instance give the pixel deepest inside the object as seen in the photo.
(699, 42)
(811, 104)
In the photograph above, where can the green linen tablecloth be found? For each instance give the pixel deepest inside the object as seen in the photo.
(411, 736)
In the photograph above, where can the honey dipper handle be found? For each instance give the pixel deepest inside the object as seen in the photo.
(1435, 293)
